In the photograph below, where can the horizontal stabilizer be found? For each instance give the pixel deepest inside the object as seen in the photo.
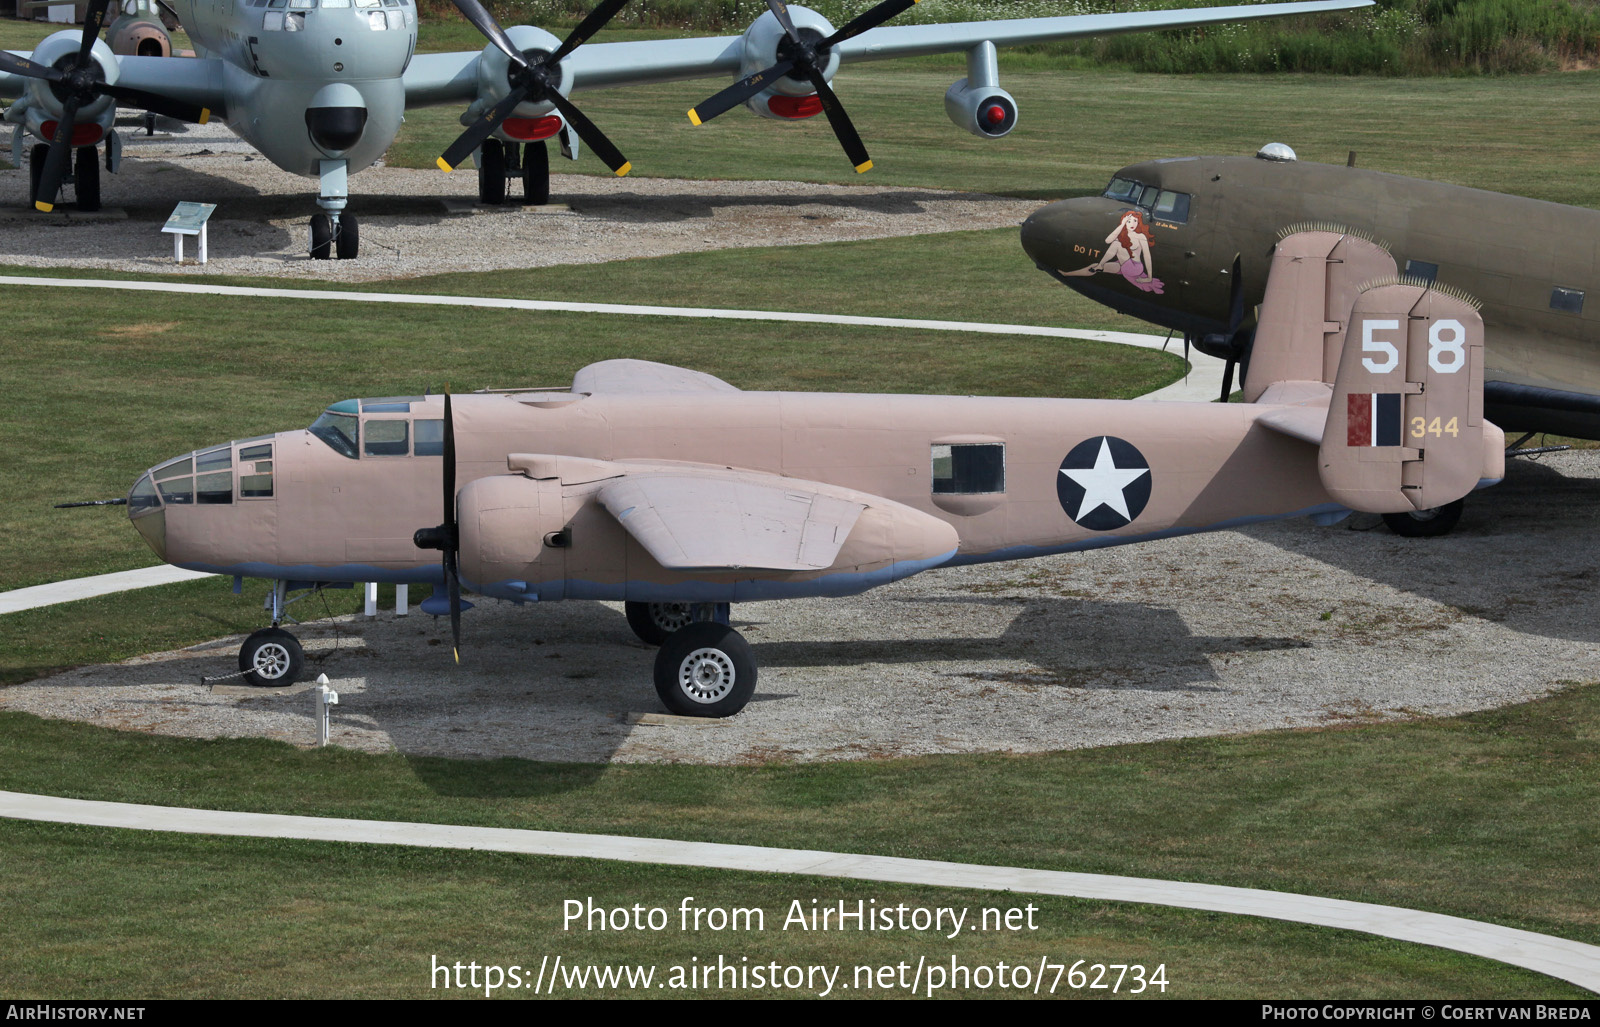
(644, 377)
(756, 521)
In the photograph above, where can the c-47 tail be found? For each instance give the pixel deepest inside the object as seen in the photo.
(1403, 428)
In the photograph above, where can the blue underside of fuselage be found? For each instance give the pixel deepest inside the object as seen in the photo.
(748, 590)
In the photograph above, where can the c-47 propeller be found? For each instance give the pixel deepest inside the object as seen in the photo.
(78, 81)
(534, 77)
(802, 57)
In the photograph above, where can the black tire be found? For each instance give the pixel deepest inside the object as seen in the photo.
(86, 187)
(1426, 523)
(347, 241)
(492, 173)
(271, 658)
(536, 174)
(705, 670)
(653, 622)
(36, 159)
(321, 236)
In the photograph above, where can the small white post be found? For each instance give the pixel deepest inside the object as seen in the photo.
(372, 598)
(203, 242)
(177, 248)
(402, 600)
(325, 697)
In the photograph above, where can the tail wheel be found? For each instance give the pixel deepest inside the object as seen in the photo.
(653, 622)
(705, 670)
(1426, 523)
(271, 657)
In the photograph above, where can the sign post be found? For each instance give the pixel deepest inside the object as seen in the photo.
(188, 218)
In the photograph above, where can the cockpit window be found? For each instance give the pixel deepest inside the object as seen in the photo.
(387, 438)
(338, 431)
(143, 497)
(1124, 189)
(1161, 204)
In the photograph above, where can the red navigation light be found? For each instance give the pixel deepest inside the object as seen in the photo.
(995, 114)
(83, 134)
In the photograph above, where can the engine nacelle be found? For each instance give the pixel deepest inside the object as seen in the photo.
(530, 121)
(988, 112)
(511, 536)
(43, 107)
(142, 37)
(787, 98)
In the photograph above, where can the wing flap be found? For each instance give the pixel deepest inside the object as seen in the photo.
(688, 521)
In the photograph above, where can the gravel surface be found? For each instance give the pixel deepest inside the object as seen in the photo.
(1281, 625)
(427, 222)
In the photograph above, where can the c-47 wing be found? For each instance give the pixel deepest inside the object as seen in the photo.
(452, 77)
(734, 521)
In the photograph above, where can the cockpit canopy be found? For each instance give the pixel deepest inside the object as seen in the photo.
(1160, 204)
(358, 428)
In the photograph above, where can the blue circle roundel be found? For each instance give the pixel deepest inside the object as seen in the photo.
(1104, 483)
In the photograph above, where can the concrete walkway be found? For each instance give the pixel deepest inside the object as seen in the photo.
(1201, 384)
(1568, 960)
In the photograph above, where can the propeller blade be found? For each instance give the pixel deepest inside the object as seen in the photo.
(588, 27)
(868, 20)
(781, 12)
(452, 572)
(156, 103)
(484, 22)
(1227, 379)
(849, 138)
(55, 164)
(738, 93)
(452, 577)
(14, 65)
(590, 133)
(93, 18)
(481, 129)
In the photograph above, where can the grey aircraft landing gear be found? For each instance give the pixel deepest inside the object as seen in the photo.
(333, 232)
(653, 622)
(271, 657)
(1425, 523)
(499, 163)
(705, 670)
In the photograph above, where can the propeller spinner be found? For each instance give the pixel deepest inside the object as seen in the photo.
(534, 78)
(78, 81)
(800, 56)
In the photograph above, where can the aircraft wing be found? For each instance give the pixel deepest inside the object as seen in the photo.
(196, 80)
(734, 520)
(644, 377)
(448, 77)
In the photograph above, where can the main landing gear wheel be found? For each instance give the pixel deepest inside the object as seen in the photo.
(536, 174)
(705, 670)
(1425, 523)
(347, 237)
(321, 236)
(271, 657)
(492, 173)
(86, 183)
(653, 622)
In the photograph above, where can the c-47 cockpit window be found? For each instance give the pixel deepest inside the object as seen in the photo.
(339, 431)
(1171, 206)
(1124, 189)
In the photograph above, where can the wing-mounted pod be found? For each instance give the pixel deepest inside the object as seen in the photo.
(1405, 427)
(766, 44)
(977, 103)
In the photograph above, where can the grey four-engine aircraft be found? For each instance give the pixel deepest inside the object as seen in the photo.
(320, 87)
(678, 494)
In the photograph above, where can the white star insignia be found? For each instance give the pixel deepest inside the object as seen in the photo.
(1103, 484)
